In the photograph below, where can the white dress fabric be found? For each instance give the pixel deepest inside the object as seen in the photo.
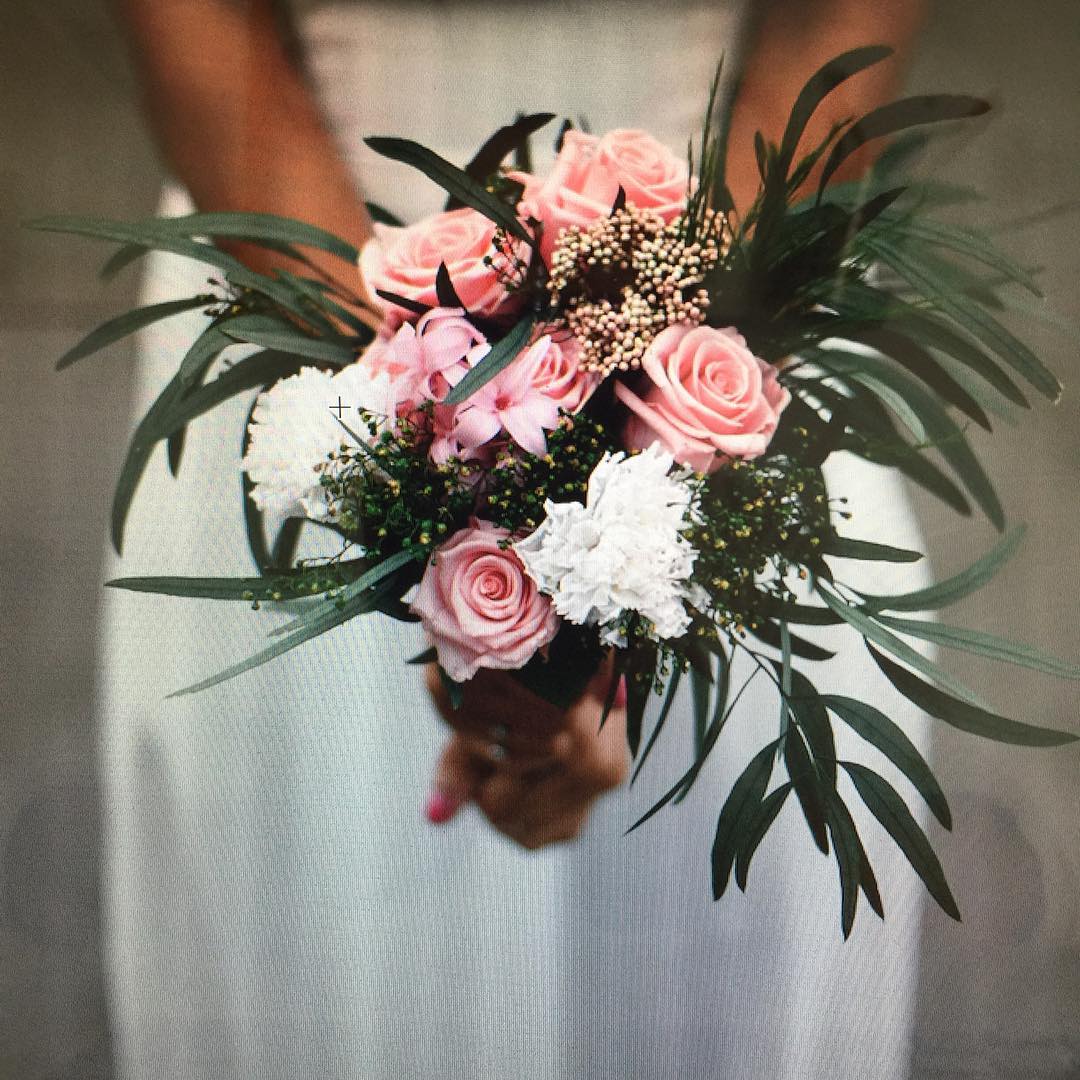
(276, 907)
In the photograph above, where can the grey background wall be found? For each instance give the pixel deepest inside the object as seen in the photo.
(1001, 996)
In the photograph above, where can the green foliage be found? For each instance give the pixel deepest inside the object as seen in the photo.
(458, 184)
(502, 354)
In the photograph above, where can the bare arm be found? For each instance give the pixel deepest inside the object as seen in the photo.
(789, 40)
(233, 116)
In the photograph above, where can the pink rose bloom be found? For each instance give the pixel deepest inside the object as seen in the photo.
(510, 402)
(425, 360)
(405, 261)
(587, 176)
(558, 375)
(708, 397)
(479, 607)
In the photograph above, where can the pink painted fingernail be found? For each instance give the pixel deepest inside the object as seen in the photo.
(620, 693)
(440, 808)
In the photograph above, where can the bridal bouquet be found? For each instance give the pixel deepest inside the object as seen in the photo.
(585, 413)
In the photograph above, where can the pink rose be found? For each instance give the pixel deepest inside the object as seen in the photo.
(557, 374)
(587, 176)
(707, 397)
(405, 261)
(479, 607)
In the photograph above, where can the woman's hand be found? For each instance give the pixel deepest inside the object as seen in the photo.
(532, 770)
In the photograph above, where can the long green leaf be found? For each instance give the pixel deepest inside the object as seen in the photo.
(257, 228)
(640, 674)
(872, 631)
(923, 365)
(852, 862)
(737, 813)
(661, 719)
(940, 428)
(889, 808)
(206, 348)
(808, 788)
(877, 729)
(756, 830)
(898, 116)
(500, 145)
(849, 548)
(246, 589)
(819, 86)
(457, 183)
(146, 436)
(371, 576)
(769, 632)
(147, 235)
(943, 593)
(810, 714)
(272, 334)
(128, 323)
(353, 602)
(974, 641)
(503, 353)
(971, 315)
(254, 519)
(967, 717)
(172, 410)
(964, 242)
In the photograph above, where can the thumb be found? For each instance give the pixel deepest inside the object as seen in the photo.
(455, 782)
(600, 686)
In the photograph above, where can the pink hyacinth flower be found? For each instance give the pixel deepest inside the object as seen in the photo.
(510, 402)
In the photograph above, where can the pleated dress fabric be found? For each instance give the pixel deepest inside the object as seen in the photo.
(276, 907)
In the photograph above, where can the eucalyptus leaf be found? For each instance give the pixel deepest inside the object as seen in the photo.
(872, 631)
(756, 830)
(943, 593)
(898, 116)
(257, 228)
(967, 717)
(974, 641)
(737, 814)
(808, 789)
(669, 699)
(877, 729)
(849, 548)
(457, 183)
(888, 807)
(128, 323)
(503, 353)
(271, 334)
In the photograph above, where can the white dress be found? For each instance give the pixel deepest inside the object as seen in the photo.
(276, 907)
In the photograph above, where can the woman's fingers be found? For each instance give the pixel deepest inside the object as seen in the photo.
(534, 813)
(458, 776)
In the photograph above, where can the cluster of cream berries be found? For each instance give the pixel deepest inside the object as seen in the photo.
(626, 277)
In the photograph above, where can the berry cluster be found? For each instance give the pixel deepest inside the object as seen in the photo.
(626, 277)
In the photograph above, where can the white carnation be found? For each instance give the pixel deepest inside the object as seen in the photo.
(293, 432)
(623, 551)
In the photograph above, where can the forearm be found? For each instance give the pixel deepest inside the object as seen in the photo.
(788, 41)
(234, 118)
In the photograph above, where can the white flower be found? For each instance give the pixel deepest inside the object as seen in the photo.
(294, 431)
(623, 551)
